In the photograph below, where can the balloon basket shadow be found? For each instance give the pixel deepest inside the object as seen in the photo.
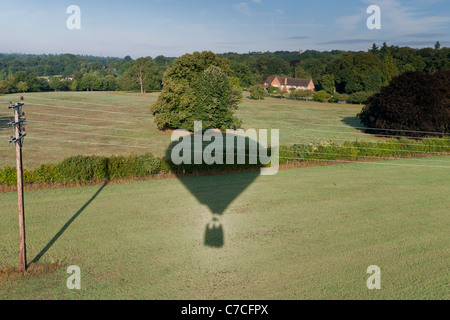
(214, 234)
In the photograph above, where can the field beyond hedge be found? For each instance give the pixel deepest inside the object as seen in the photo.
(65, 124)
(305, 233)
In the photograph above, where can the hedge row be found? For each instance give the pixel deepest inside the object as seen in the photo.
(357, 150)
(81, 169)
(85, 169)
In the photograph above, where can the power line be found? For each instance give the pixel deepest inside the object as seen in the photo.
(378, 142)
(85, 126)
(92, 143)
(369, 162)
(359, 133)
(94, 134)
(80, 102)
(375, 157)
(302, 123)
(84, 118)
(89, 110)
(304, 159)
(365, 148)
(304, 144)
(365, 128)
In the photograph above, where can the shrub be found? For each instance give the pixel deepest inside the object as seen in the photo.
(8, 176)
(322, 96)
(359, 97)
(257, 92)
(339, 97)
(273, 89)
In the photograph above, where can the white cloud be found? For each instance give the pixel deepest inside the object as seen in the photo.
(397, 19)
(279, 11)
(243, 8)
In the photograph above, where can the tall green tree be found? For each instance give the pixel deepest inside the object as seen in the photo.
(55, 83)
(390, 66)
(142, 73)
(22, 86)
(197, 87)
(88, 82)
(327, 83)
(374, 82)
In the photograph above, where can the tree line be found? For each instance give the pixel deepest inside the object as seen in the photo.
(68, 72)
(342, 72)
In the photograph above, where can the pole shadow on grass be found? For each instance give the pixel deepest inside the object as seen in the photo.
(67, 225)
(218, 189)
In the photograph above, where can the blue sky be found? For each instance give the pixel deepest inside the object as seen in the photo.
(174, 27)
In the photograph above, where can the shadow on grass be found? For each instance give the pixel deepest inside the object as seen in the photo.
(68, 223)
(217, 192)
(4, 123)
(353, 122)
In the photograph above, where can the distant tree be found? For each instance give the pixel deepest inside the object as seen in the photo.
(352, 71)
(293, 64)
(327, 83)
(338, 97)
(55, 83)
(359, 97)
(257, 92)
(109, 83)
(5, 87)
(88, 82)
(22, 86)
(95, 66)
(305, 94)
(374, 82)
(390, 66)
(383, 50)
(266, 66)
(19, 77)
(144, 73)
(322, 96)
(243, 73)
(74, 86)
(313, 68)
(437, 46)
(374, 50)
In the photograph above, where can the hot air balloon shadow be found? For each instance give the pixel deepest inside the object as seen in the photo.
(219, 184)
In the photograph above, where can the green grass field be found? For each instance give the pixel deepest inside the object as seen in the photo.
(63, 124)
(305, 233)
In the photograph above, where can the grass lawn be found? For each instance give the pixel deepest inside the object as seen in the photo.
(305, 233)
(63, 124)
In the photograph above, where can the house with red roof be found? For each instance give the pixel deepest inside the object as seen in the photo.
(287, 83)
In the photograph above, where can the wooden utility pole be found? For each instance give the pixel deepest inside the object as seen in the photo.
(19, 135)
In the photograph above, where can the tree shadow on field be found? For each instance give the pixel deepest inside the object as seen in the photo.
(353, 122)
(219, 189)
(67, 225)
